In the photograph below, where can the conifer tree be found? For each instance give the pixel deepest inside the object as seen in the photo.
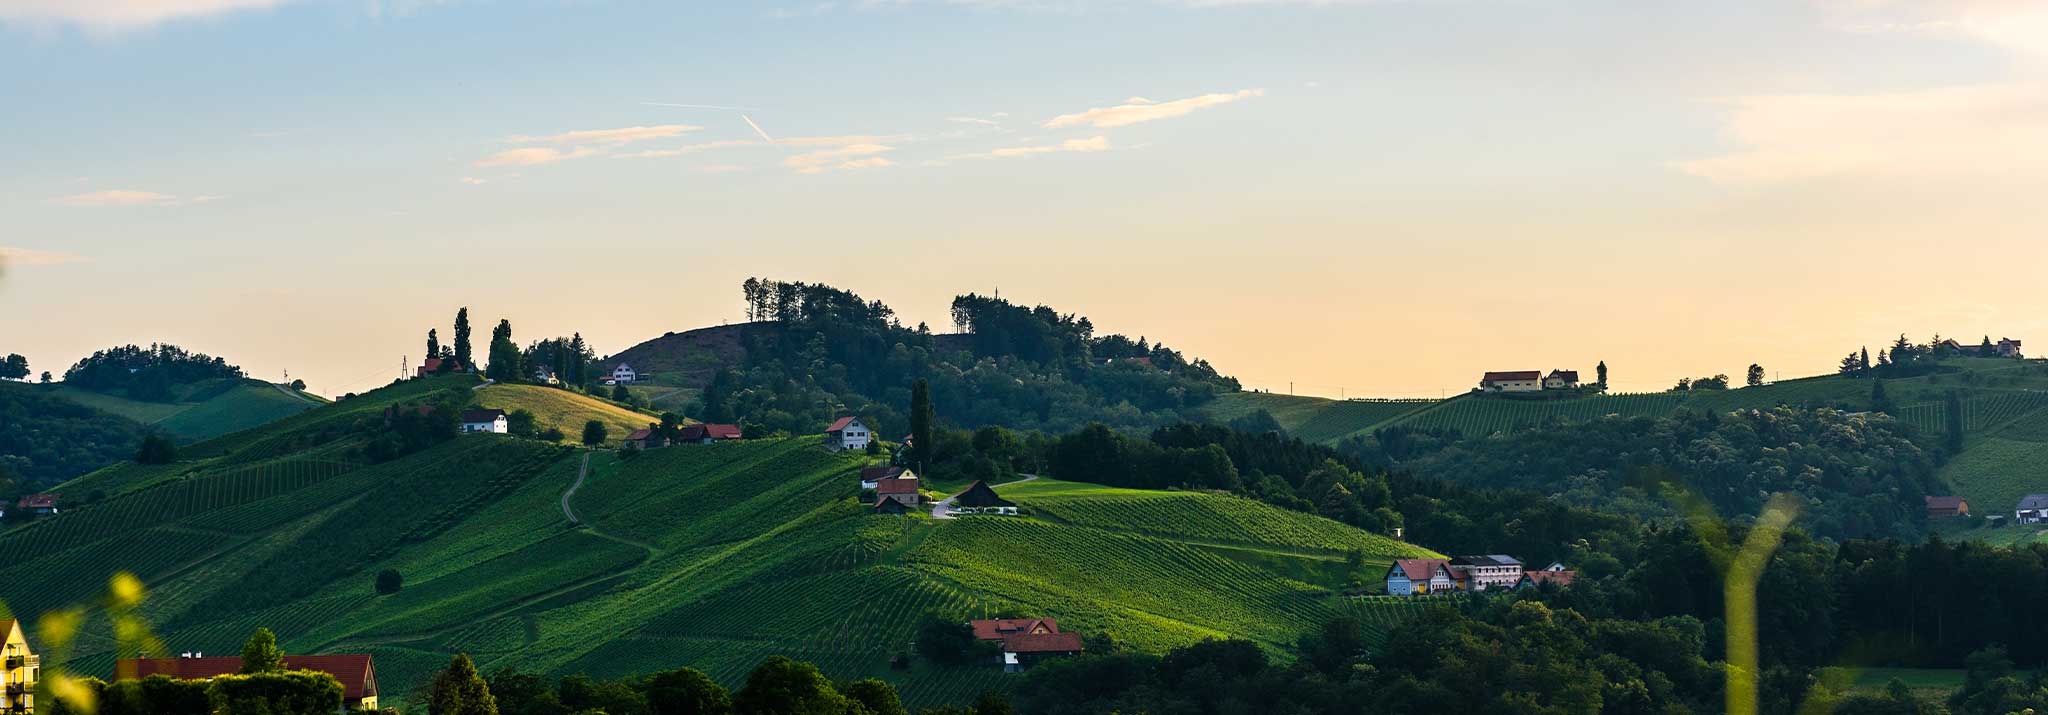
(462, 354)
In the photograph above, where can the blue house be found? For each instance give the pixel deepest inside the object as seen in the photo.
(1417, 577)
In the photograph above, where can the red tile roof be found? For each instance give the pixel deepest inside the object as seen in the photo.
(840, 424)
(872, 474)
(1419, 569)
(1042, 643)
(1512, 376)
(1561, 578)
(719, 431)
(1945, 503)
(38, 501)
(896, 486)
(358, 675)
(639, 434)
(997, 629)
(1568, 375)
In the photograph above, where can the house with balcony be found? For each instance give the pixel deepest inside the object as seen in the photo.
(1486, 572)
(21, 668)
(1421, 577)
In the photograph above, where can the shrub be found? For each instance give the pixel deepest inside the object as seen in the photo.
(293, 692)
(157, 449)
(389, 582)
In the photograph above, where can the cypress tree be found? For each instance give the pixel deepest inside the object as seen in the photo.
(1955, 423)
(920, 422)
(462, 354)
(433, 343)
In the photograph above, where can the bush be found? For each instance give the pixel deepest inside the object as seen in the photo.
(553, 434)
(294, 692)
(594, 433)
(157, 449)
(389, 582)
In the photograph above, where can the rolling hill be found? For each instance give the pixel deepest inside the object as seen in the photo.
(564, 410)
(201, 411)
(530, 554)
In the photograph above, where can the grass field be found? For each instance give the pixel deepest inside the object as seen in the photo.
(714, 556)
(564, 410)
(204, 411)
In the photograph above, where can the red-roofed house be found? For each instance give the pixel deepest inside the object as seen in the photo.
(848, 433)
(1561, 380)
(1533, 579)
(902, 490)
(1416, 577)
(649, 438)
(357, 673)
(1022, 650)
(999, 628)
(873, 477)
(708, 433)
(1946, 507)
(39, 504)
(432, 366)
(1512, 381)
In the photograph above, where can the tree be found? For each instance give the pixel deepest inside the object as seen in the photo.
(46, 377)
(1879, 402)
(504, 355)
(1850, 366)
(299, 385)
(594, 433)
(1684, 383)
(945, 642)
(389, 582)
(156, 449)
(780, 686)
(1866, 358)
(993, 703)
(433, 343)
(921, 423)
(877, 696)
(1953, 408)
(521, 423)
(1600, 373)
(462, 355)
(553, 434)
(459, 690)
(687, 691)
(751, 290)
(1986, 349)
(261, 655)
(621, 394)
(14, 367)
(1756, 375)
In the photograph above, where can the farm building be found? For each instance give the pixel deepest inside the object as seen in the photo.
(22, 669)
(2005, 348)
(432, 366)
(848, 433)
(873, 476)
(625, 374)
(1415, 577)
(1490, 571)
(902, 489)
(1026, 641)
(890, 506)
(485, 421)
(357, 673)
(1946, 507)
(708, 433)
(1560, 577)
(980, 499)
(1512, 381)
(1561, 380)
(649, 438)
(545, 375)
(2033, 509)
(38, 504)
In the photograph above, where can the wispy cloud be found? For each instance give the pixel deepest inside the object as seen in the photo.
(1091, 144)
(2017, 25)
(12, 256)
(1140, 109)
(623, 135)
(122, 197)
(1974, 130)
(975, 121)
(849, 156)
(116, 15)
(534, 156)
(687, 149)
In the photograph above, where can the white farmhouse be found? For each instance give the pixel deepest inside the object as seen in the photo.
(485, 421)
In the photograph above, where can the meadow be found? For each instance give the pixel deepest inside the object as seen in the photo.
(202, 411)
(564, 410)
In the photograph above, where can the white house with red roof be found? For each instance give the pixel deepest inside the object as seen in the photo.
(1512, 381)
(848, 433)
(1027, 640)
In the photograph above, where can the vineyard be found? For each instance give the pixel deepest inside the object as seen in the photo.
(1201, 517)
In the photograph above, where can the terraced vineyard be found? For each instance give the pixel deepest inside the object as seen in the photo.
(205, 411)
(1201, 517)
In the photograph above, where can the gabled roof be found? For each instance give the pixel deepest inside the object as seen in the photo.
(357, 673)
(433, 364)
(887, 471)
(38, 501)
(1561, 578)
(2034, 501)
(998, 628)
(841, 424)
(722, 431)
(890, 506)
(1512, 376)
(1042, 643)
(896, 486)
(1947, 502)
(1567, 375)
(979, 496)
(639, 434)
(474, 416)
(1417, 569)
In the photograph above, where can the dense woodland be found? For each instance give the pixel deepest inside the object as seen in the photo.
(1860, 476)
(1025, 368)
(147, 374)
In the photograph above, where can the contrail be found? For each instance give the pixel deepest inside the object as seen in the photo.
(757, 129)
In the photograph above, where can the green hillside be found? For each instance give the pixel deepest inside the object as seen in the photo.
(564, 410)
(535, 555)
(201, 411)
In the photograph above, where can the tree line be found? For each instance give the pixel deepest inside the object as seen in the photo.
(147, 374)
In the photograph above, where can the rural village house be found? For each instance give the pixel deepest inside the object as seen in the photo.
(980, 499)
(432, 366)
(493, 421)
(2033, 509)
(708, 433)
(356, 671)
(1512, 381)
(874, 476)
(2005, 348)
(38, 504)
(22, 668)
(1946, 507)
(1411, 577)
(1561, 380)
(1415, 577)
(848, 433)
(648, 438)
(625, 374)
(1025, 641)
(901, 490)
(545, 375)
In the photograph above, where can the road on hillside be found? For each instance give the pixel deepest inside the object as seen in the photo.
(943, 508)
(294, 393)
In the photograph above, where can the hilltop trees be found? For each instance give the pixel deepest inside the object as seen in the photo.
(687, 691)
(504, 354)
(13, 367)
(1600, 372)
(569, 358)
(781, 686)
(462, 354)
(433, 343)
(1756, 376)
(147, 373)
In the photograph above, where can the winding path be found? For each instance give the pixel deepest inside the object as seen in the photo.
(943, 508)
(293, 393)
(582, 471)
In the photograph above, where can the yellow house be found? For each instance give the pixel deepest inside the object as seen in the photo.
(21, 666)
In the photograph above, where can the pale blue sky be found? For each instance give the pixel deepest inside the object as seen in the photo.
(1385, 196)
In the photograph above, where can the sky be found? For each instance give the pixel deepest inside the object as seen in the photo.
(1355, 198)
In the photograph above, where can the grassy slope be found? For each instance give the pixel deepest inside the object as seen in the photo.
(564, 410)
(206, 411)
(711, 555)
